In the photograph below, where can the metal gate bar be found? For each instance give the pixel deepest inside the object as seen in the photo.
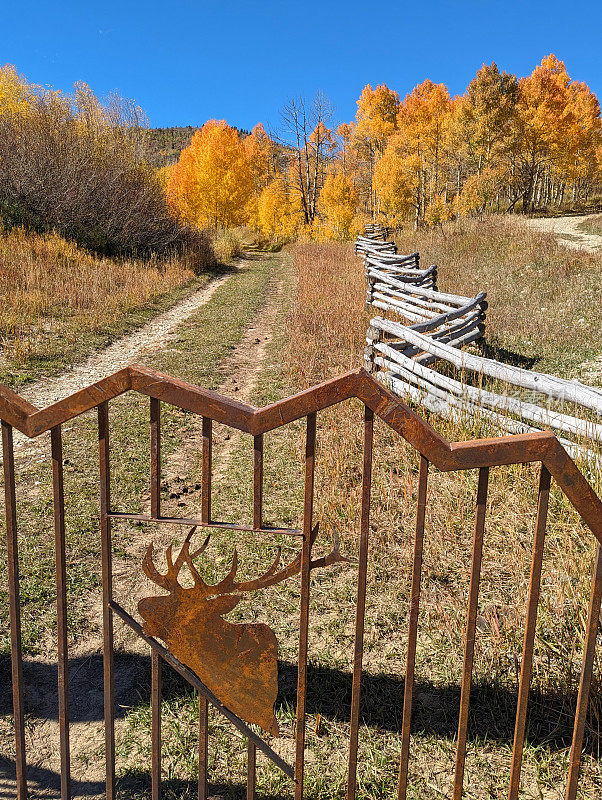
(471, 625)
(541, 448)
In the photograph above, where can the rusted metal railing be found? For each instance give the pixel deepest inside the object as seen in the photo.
(433, 449)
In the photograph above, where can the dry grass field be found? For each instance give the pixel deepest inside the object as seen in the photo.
(322, 334)
(60, 301)
(56, 297)
(319, 331)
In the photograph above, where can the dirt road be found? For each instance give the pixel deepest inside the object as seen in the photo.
(127, 350)
(568, 232)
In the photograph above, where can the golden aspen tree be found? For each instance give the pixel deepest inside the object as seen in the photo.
(376, 119)
(486, 113)
(259, 150)
(377, 115)
(345, 134)
(338, 200)
(397, 183)
(438, 211)
(211, 184)
(422, 122)
(577, 161)
(480, 190)
(541, 129)
(275, 214)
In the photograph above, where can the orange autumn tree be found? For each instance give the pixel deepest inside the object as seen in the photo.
(556, 135)
(376, 120)
(212, 183)
(422, 120)
(412, 170)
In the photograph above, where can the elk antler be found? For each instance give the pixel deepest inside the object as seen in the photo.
(169, 581)
(229, 585)
(272, 575)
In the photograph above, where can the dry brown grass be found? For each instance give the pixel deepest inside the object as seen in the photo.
(544, 299)
(54, 294)
(326, 327)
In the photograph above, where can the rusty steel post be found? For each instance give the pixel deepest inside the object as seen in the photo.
(257, 481)
(251, 769)
(406, 722)
(585, 683)
(360, 612)
(58, 489)
(471, 623)
(16, 650)
(107, 596)
(155, 457)
(529, 638)
(207, 455)
(156, 692)
(203, 746)
(310, 455)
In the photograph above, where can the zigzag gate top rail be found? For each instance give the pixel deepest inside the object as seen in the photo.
(433, 449)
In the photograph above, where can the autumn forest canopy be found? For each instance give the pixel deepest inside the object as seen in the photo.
(507, 144)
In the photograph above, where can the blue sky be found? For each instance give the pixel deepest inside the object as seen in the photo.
(185, 62)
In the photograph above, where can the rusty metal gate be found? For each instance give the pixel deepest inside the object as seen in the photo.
(240, 704)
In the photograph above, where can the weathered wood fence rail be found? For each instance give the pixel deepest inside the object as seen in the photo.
(400, 355)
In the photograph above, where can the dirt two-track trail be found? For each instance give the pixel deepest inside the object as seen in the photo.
(239, 372)
(129, 349)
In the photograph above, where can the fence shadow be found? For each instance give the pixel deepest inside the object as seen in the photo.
(436, 707)
(505, 356)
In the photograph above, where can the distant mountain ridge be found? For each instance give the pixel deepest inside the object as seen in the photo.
(166, 144)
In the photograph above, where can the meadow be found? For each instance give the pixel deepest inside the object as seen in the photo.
(321, 334)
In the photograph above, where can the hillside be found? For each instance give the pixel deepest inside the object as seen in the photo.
(166, 144)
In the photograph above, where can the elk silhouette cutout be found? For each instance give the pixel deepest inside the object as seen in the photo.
(237, 661)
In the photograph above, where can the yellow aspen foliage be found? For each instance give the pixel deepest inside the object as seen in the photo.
(212, 183)
(338, 200)
(438, 211)
(275, 215)
(259, 150)
(542, 104)
(164, 175)
(479, 191)
(377, 114)
(483, 116)
(15, 92)
(422, 120)
(345, 134)
(397, 182)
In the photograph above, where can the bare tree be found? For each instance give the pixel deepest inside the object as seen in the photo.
(305, 132)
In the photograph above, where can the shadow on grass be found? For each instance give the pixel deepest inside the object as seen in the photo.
(505, 356)
(492, 709)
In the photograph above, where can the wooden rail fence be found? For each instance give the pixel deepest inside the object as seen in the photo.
(402, 356)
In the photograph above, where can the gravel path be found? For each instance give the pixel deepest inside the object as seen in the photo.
(569, 226)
